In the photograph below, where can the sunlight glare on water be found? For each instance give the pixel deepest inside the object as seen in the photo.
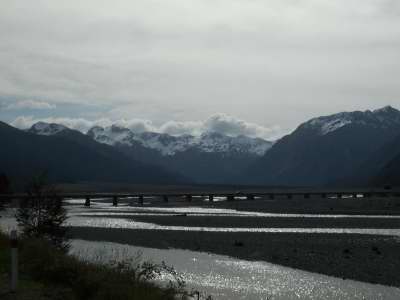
(106, 207)
(228, 278)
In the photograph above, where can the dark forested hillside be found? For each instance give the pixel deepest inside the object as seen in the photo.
(327, 149)
(72, 156)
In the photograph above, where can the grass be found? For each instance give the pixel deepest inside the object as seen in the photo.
(46, 273)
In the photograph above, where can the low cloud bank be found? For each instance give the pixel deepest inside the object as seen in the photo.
(29, 104)
(220, 123)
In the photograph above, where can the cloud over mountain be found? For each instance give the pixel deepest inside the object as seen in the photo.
(229, 125)
(220, 123)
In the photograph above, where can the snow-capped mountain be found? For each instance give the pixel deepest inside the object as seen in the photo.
(169, 145)
(379, 118)
(209, 158)
(327, 149)
(42, 128)
(70, 156)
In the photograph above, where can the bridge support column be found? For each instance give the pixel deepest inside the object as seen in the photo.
(250, 197)
(323, 195)
(15, 202)
(165, 198)
(271, 196)
(188, 198)
(87, 201)
(115, 201)
(306, 196)
(140, 200)
(340, 196)
(132, 201)
(289, 196)
(211, 198)
(230, 198)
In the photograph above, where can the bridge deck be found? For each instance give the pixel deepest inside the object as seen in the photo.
(229, 194)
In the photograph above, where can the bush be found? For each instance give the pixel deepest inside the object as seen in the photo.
(41, 214)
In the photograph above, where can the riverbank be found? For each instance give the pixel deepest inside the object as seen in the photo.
(46, 273)
(368, 258)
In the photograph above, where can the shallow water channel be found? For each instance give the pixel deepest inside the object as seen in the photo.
(222, 277)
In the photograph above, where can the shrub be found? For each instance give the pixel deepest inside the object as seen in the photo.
(41, 214)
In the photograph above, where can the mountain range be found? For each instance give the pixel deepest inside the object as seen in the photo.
(210, 158)
(333, 150)
(69, 156)
(347, 148)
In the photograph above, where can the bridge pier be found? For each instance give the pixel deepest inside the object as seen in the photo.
(115, 201)
(339, 196)
(211, 198)
(132, 201)
(289, 196)
(306, 196)
(140, 200)
(188, 198)
(165, 198)
(323, 195)
(230, 198)
(87, 201)
(250, 197)
(271, 196)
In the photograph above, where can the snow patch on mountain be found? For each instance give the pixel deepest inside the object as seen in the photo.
(42, 128)
(170, 145)
(379, 118)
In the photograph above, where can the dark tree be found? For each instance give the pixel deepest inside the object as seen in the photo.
(4, 188)
(41, 214)
(4, 184)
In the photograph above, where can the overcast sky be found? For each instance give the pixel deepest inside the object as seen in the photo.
(258, 67)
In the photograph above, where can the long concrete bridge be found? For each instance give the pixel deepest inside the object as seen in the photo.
(229, 195)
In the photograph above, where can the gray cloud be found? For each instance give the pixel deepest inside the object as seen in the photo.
(29, 104)
(229, 125)
(181, 128)
(277, 61)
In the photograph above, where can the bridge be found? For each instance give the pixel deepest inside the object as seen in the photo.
(229, 195)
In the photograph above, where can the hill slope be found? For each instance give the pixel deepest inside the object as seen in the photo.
(71, 156)
(326, 149)
(210, 158)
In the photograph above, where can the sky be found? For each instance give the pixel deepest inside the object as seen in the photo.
(254, 67)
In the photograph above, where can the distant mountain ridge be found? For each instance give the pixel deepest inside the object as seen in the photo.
(42, 128)
(385, 117)
(70, 156)
(171, 145)
(209, 158)
(326, 149)
(347, 148)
